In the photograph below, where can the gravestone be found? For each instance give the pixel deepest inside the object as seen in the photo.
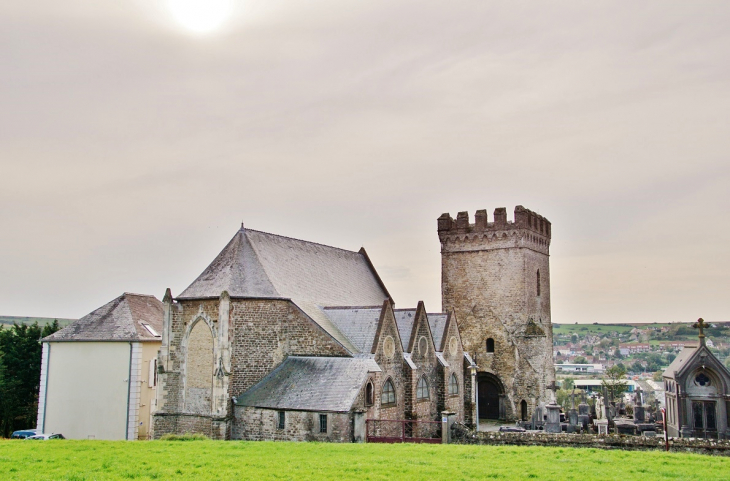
(552, 425)
(639, 410)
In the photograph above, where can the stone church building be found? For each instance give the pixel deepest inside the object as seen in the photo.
(286, 339)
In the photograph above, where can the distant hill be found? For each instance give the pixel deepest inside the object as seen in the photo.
(42, 321)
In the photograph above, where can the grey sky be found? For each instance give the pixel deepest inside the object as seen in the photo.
(131, 150)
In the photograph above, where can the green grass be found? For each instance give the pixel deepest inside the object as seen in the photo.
(583, 329)
(208, 460)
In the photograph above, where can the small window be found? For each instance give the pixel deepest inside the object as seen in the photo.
(388, 394)
(453, 385)
(323, 423)
(538, 283)
(490, 345)
(282, 420)
(152, 375)
(150, 330)
(369, 394)
(422, 388)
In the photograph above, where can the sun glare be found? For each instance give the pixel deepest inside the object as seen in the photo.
(200, 16)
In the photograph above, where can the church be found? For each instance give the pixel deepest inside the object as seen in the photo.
(286, 339)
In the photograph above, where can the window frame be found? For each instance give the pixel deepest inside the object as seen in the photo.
(323, 424)
(453, 385)
(369, 393)
(390, 393)
(423, 382)
(281, 420)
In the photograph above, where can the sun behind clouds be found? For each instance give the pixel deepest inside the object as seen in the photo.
(200, 16)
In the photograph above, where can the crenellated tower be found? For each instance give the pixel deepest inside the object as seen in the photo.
(496, 277)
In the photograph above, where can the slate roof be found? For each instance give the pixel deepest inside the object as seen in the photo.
(679, 361)
(258, 264)
(311, 384)
(358, 324)
(261, 265)
(437, 322)
(119, 320)
(404, 319)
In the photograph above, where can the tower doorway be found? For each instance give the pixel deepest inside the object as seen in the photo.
(489, 396)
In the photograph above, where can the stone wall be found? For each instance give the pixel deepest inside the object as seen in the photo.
(212, 426)
(257, 424)
(264, 333)
(462, 435)
(490, 281)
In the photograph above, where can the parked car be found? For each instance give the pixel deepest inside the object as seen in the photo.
(44, 437)
(24, 433)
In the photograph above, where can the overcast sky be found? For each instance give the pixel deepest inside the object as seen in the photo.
(131, 149)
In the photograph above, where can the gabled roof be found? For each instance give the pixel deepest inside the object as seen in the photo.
(437, 322)
(358, 324)
(260, 265)
(311, 384)
(122, 319)
(404, 319)
(686, 360)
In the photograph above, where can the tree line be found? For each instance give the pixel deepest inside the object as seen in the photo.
(20, 373)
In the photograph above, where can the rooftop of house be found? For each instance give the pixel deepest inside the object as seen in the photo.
(129, 317)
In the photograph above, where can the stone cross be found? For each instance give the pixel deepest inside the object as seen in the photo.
(700, 324)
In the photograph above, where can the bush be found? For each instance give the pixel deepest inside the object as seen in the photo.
(185, 437)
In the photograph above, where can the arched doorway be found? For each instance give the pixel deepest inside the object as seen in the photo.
(489, 396)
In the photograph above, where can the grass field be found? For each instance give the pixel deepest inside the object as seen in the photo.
(208, 460)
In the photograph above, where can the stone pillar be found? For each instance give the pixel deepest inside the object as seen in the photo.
(447, 420)
(553, 418)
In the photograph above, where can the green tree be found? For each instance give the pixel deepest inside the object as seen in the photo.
(657, 376)
(568, 383)
(20, 372)
(580, 360)
(614, 381)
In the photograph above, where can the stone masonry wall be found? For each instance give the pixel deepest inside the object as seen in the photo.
(264, 333)
(489, 279)
(462, 435)
(258, 424)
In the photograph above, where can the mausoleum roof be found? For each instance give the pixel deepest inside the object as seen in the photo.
(129, 317)
(311, 384)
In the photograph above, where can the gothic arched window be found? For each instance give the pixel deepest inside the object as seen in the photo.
(388, 394)
(453, 385)
(422, 388)
(369, 394)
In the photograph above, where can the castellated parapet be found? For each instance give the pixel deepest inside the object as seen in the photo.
(496, 278)
(528, 230)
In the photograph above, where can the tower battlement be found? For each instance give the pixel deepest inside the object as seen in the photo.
(523, 219)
